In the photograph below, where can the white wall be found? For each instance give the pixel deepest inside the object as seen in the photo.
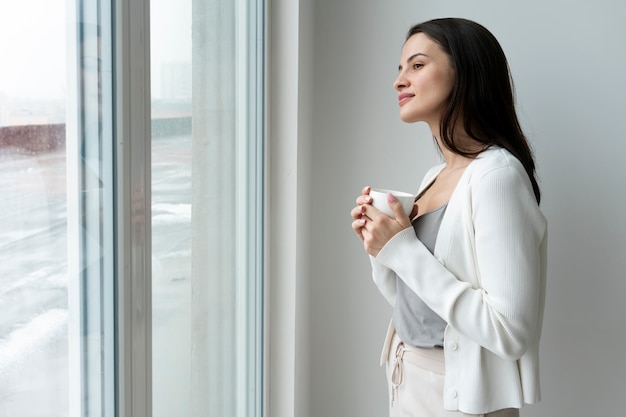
(568, 60)
(289, 132)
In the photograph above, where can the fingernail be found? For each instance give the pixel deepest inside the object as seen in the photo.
(391, 197)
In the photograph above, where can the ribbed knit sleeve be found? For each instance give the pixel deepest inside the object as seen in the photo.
(385, 280)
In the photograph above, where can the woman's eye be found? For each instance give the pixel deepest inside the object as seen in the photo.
(417, 66)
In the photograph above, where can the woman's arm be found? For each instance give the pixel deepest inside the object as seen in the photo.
(508, 256)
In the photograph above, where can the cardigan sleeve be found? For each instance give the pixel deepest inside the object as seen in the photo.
(385, 280)
(502, 312)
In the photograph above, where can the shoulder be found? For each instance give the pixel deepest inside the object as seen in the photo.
(499, 164)
(496, 157)
(499, 183)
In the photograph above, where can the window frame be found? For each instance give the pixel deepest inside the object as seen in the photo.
(90, 209)
(133, 225)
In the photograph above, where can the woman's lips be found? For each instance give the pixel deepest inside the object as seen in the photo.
(404, 97)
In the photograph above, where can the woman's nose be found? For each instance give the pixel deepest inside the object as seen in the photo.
(400, 82)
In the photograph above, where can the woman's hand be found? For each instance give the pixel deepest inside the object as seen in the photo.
(374, 227)
(358, 212)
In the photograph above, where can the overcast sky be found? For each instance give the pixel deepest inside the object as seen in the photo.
(33, 44)
(32, 48)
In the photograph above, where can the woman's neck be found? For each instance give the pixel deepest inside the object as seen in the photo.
(454, 160)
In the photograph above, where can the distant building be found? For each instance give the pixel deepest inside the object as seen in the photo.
(31, 112)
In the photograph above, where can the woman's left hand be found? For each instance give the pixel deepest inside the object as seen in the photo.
(377, 228)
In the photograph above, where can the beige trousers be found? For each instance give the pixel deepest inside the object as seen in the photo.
(415, 378)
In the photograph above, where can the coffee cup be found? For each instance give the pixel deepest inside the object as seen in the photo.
(379, 200)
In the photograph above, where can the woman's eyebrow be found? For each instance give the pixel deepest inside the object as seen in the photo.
(411, 58)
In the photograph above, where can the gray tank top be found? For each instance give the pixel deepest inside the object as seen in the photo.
(416, 324)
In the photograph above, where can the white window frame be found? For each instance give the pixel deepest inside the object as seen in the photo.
(90, 214)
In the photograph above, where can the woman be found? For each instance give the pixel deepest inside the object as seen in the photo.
(465, 276)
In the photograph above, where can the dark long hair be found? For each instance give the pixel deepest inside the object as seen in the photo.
(482, 98)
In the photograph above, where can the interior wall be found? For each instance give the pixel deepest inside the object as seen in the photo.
(288, 186)
(568, 61)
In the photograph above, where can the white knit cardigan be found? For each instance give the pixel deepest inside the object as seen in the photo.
(486, 279)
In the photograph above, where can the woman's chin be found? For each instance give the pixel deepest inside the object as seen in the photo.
(410, 118)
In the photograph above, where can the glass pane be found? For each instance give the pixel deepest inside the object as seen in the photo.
(56, 222)
(206, 207)
(171, 206)
(33, 240)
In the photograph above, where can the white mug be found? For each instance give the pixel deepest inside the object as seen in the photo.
(379, 197)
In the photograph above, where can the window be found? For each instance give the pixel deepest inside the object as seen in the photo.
(131, 217)
(33, 238)
(206, 207)
(56, 170)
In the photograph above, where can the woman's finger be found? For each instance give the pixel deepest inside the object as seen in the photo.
(358, 226)
(364, 199)
(357, 212)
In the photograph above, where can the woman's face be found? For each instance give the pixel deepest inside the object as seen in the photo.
(425, 80)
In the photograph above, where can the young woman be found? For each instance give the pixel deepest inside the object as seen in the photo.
(465, 273)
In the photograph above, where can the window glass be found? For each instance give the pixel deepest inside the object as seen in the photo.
(56, 218)
(57, 208)
(206, 207)
(33, 237)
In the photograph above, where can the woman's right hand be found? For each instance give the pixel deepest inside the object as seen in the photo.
(378, 226)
